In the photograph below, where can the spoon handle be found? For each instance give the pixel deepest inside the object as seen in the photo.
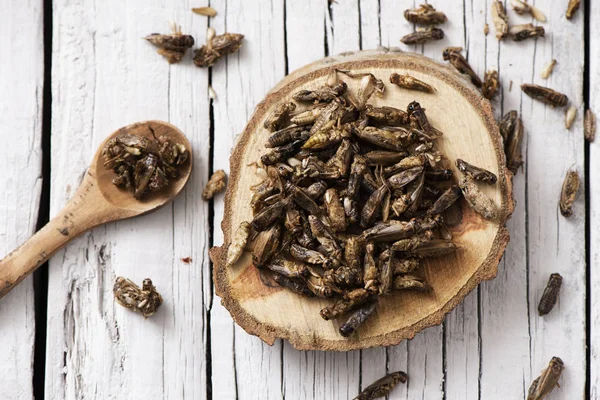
(86, 209)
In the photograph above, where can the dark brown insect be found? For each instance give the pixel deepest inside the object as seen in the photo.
(490, 84)
(448, 198)
(408, 82)
(143, 165)
(572, 8)
(410, 282)
(526, 31)
(172, 47)
(568, 193)
(545, 95)
(423, 36)
(335, 210)
(296, 286)
(357, 318)
(388, 116)
(274, 119)
(266, 245)
(479, 174)
(459, 62)
(382, 386)
(324, 94)
(547, 381)
(425, 15)
(216, 47)
(512, 147)
(347, 303)
(550, 295)
(144, 300)
(507, 124)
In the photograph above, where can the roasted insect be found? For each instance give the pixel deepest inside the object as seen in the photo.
(408, 82)
(522, 7)
(357, 318)
(216, 47)
(572, 8)
(382, 386)
(547, 381)
(145, 300)
(276, 116)
(545, 95)
(143, 165)
(526, 31)
(425, 15)
(550, 295)
(215, 184)
(589, 125)
(238, 243)
(568, 193)
(423, 36)
(500, 19)
(507, 124)
(458, 61)
(512, 146)
(479, 174)
(478, 200)
(490, 84)
(173, 46)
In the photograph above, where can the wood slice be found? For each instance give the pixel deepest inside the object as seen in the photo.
(470, 132)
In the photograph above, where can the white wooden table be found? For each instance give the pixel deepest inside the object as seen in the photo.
(103, 76)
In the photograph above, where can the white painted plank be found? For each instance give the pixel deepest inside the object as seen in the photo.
(556, 244)
(21, 85)
(342, 23)
(504, 314)
(246, 368)
(104, 77)
(594, 204)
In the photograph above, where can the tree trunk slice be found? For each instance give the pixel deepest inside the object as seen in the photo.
(470, 133)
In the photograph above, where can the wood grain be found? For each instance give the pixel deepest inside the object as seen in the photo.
(21, 85)
(104, 77)
(258, 308)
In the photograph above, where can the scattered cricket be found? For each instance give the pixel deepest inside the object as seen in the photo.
(425, 15)
(144, 300)
(568, 194)
(572, 8)
(408, 82)
(570, 116)
(490, 84)
(589, 125)
(453, 55)
(216, 47)
(206, 11)
(548, 69)
(526, 31)
(173, 46)
(423, 36)
(500, 19)
(545, 95)
(522, 7)
(383, 386)
(547, 381)
(215, 184)
(550, 295)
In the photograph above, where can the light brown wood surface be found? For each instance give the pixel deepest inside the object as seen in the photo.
(96, 202)
(470, 133)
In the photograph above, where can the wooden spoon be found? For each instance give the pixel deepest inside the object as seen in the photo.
(96, 202)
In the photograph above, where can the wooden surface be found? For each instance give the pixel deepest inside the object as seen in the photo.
(105, 76)
(470, 132)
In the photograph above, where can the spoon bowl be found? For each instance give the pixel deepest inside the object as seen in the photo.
(97, 201)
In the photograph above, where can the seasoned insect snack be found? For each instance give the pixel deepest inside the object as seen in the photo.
(490, 84)
(144, 300)
(522, 7)
(425, 15)
(215, 184)
(500, 19)
(453, 55)
(526, 31)
(550, 295)
(568, 194)
(143, 165)
(216, 47)
(352, 197)
(547, 381)
(383, 386)
(423, 36)
(173, 46)
(545, 95)
(572, 8)
(589, 125)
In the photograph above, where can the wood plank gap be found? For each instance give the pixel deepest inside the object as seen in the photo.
(40, 277)
(587, 10)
